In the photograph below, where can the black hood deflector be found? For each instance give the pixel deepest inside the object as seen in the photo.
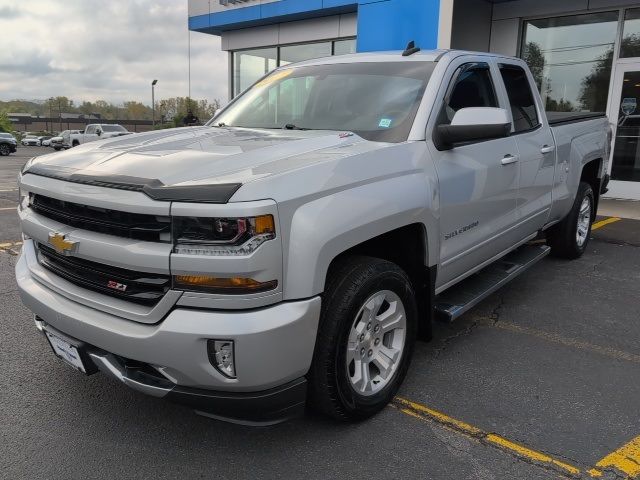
(153, 188)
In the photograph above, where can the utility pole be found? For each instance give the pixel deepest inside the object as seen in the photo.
(50, 122)
(153, 103)
(59, 115)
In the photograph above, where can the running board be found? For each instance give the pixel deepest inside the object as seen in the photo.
(460, 298)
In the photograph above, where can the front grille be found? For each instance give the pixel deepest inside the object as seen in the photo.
(139, 287)
(150, 228)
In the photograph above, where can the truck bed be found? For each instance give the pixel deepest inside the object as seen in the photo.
(558, 118)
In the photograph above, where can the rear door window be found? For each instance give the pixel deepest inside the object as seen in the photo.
(521, 99)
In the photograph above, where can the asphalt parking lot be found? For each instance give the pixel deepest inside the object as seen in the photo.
(540, 381)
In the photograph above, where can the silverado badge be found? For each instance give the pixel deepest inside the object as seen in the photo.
(61, 244)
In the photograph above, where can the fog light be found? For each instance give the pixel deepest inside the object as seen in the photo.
(222, 356)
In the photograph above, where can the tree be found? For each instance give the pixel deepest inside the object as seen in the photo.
(534, 56)
(595, 86)
(5, 123)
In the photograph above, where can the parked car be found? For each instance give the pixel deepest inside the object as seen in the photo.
(295, 246)
(31, 141)
(45, 141)
(58, 142)
(8, 144)
(97, 131)
(66, 137)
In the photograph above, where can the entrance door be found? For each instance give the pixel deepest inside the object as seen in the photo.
(625, 115)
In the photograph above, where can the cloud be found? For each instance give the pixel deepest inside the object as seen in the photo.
(9, 12)
(90, 50)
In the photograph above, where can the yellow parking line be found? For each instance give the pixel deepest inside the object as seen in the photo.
(438, 416)
(605, 222)
(626, 460)
(561, 340)
(424, 413)
(528, 453)
(6, 245)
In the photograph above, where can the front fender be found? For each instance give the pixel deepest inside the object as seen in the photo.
(325, 227)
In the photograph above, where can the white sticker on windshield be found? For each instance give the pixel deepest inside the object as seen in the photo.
(385, 123)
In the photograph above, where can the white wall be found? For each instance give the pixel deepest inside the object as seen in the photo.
(480, 25)
(301, 31)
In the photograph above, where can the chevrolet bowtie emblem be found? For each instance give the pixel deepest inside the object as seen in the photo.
(61, 244)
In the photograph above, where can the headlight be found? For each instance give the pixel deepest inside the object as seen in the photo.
(221, 236)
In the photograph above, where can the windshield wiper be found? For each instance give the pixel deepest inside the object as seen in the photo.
(291, 126)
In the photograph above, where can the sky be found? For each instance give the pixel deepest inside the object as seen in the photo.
(105, 50)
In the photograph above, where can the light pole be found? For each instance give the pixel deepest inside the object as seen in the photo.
(153, 102)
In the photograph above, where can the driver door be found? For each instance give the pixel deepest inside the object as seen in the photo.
(478, 181)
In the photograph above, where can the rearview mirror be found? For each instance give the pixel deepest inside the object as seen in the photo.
(473, 124)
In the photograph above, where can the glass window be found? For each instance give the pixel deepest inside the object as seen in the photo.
(630, 46)
(570, 58)
(473, 88)
(299, 53)
(626, 152)
(523, 105)
(343, 47)
(336, 97)
(251, 65)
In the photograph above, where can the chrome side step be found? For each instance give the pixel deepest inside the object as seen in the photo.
(460, 298)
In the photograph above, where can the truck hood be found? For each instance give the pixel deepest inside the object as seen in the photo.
(197, 157)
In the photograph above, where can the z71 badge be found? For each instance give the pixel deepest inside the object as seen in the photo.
(121, 287)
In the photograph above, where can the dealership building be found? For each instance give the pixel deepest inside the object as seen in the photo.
(584, 54)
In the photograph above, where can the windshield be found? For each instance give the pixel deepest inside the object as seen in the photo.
(113, 128)
(6, 135)
(378, 101)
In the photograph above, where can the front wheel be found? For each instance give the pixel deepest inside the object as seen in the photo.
(5, 149)
(569, 238)
(365, 339)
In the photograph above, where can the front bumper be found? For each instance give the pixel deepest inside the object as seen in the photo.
(273, 346)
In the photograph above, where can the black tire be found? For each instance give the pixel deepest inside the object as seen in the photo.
(349, 285)
(563, 238)
(5, 150)
(75, 143)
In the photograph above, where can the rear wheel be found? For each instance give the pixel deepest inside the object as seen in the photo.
(365, 339)
(569, 238)
(75, 143)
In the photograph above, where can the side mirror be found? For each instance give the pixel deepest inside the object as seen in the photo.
(473, 124)
(98, 132)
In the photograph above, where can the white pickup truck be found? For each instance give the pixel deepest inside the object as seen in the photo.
(93, 132)
(290, 252)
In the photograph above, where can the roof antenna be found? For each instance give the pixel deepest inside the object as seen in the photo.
(411, 49)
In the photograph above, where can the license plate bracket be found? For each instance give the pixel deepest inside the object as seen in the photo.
(73, 352)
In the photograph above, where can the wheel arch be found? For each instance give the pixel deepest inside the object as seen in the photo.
(592, 174)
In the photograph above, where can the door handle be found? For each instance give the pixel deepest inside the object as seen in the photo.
(508, 160)
(547, 149)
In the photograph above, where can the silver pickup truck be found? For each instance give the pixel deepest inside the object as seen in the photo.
(290, 252)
